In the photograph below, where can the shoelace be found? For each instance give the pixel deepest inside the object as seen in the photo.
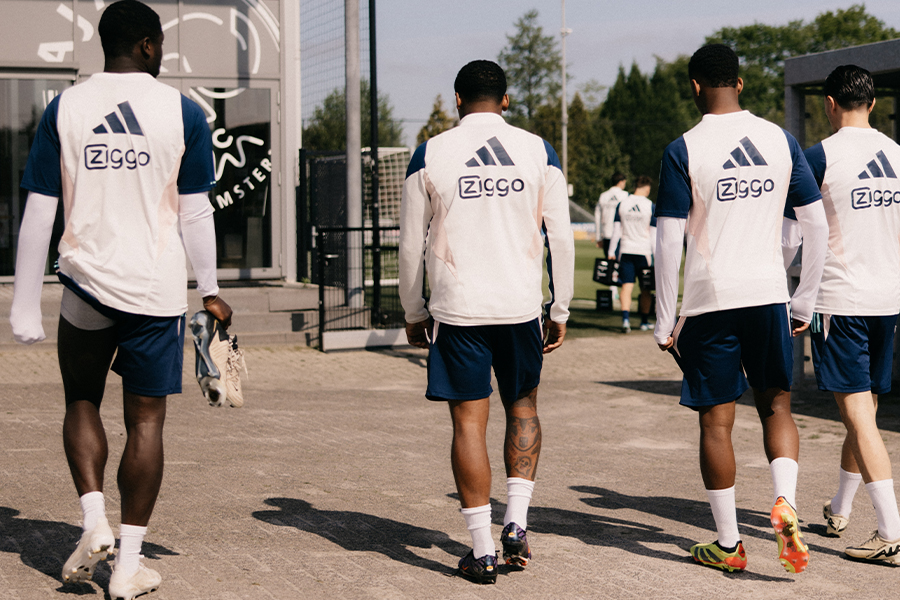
(235, 361)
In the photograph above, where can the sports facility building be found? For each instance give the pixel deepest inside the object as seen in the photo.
(233, 57)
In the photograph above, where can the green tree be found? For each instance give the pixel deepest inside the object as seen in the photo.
(327, 130)
(438, 121)
(764, 48)
(647, 112)
(592, 148)
(531, 61)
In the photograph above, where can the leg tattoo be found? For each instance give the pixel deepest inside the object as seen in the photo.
(523, 446)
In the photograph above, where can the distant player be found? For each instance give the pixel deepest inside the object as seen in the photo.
(476, 201)
(727, 181)
(859, 297)
(633, 244)
(605, 211)
(132, 160)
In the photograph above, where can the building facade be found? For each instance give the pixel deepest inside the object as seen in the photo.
(233, 57)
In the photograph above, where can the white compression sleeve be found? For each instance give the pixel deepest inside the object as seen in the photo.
(669, 242)
(616, 238)
(814, 226)
(31, 258)
(791, 237)
(198, 234)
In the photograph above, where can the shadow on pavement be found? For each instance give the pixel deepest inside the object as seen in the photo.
(359, 532)
(663, 387)
(599, 530)
(692, 512)
(45, 545)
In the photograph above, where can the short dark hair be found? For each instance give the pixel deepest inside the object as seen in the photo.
(125, 23)
(851, 87)
(714, 65)
(617, 177)
(480, 80)
(642, 180)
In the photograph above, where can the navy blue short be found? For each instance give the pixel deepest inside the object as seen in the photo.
(460, 360)
(149, 351)
(630, 265)
(853, 354)
(715, 349)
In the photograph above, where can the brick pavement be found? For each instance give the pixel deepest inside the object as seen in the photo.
(334, 482)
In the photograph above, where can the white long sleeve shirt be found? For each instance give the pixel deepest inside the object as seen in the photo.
(479, 205)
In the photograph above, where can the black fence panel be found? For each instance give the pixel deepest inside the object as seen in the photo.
(374, 303)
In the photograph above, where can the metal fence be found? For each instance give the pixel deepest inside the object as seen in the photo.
(375, 305)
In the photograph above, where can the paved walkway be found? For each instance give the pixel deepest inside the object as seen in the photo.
(334, 482)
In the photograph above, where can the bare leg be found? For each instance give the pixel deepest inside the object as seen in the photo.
(866, 446)
(522, 447)
(644, 302)
(84, 440)
(717, 464)
(625, 296)
(780, 436)
(468, 453)
(848, 462)
(141, 468)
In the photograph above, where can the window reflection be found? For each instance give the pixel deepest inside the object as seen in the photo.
(22, 102)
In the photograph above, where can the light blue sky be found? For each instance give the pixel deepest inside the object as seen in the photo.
(422, 44)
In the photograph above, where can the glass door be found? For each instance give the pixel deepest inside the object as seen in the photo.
(23, 99)
(243, 120)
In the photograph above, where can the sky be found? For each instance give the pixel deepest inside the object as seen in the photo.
(422, 44)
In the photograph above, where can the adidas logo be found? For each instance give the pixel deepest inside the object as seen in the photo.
(874, 171)
(487, 159)
(743, 157)
(115, 124)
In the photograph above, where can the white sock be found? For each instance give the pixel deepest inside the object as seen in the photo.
(93, 506)
(848, 483)
(725, 515)
(518, 497)
(784, 479)
(478, 522)
(885, 501)
(130, 539)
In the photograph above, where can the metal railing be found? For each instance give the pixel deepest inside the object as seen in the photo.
(358, 277)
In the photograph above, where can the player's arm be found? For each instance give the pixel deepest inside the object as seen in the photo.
(616, 236)
(598, 237)
(31, 258)
(415, 217)
(560, 249)
(805, 200)
(653, 224)
(195, 213)
(43, 180)
(673, 204)
(198, 234)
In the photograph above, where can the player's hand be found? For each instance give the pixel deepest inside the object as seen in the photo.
(554, 334)
(667, 345)
(599, 244)
(419, 334)
(26, 323)
(219, 309)
(798, 327)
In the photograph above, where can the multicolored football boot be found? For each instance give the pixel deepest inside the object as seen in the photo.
(714, 555)
(516, 550)
(482, 570)
(792, 552)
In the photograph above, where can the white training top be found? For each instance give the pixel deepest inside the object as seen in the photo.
(730, 177)
(855, 169)
(475, 204)
(636, 214)
(119, 149)
(605, 212)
